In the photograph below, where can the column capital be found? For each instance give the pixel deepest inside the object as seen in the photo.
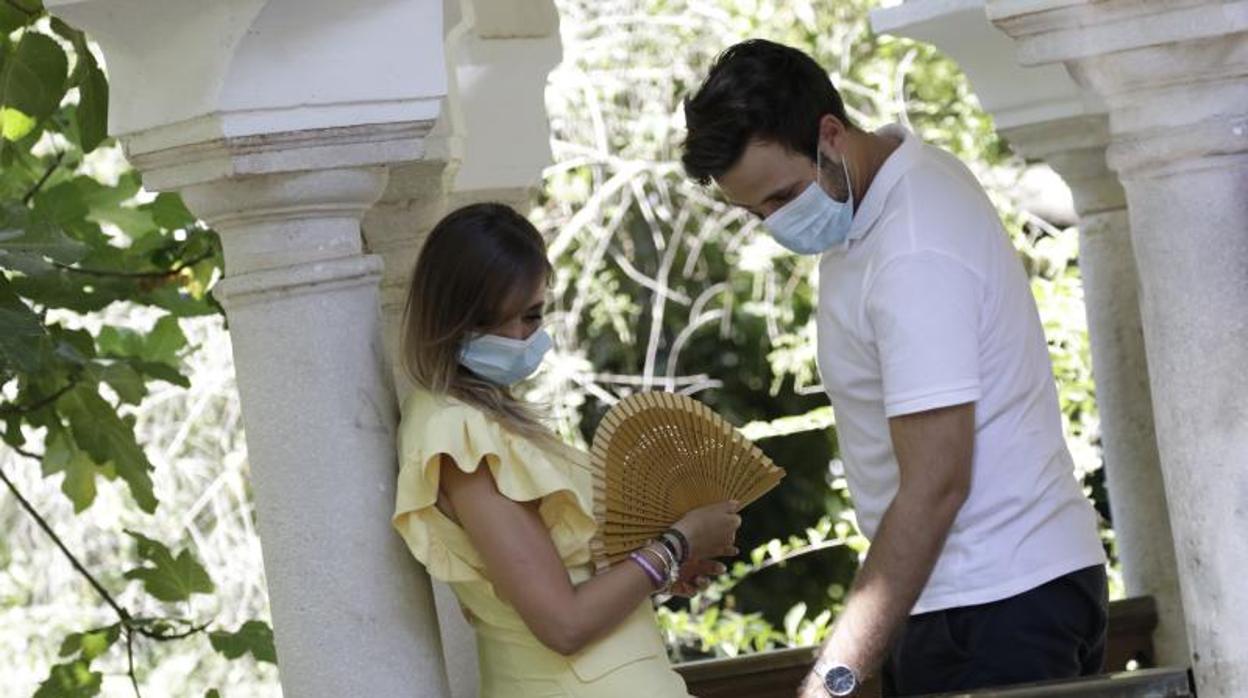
(182, 155)
(1075, 148)
(1013, 94)
(207, 90)
(291, 233)
(1174, 74)
(1052, 31)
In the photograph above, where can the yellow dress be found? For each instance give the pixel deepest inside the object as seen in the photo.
(628, 661)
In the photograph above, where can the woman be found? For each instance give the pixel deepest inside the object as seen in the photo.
(494, 504)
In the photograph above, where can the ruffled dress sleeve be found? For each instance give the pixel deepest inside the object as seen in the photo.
(522, 472)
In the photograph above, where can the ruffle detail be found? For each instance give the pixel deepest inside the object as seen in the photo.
(522, 472)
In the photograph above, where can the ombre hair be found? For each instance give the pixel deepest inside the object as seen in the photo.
(478, 269)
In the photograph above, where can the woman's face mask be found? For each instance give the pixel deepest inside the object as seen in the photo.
(502, 360)
(813, 222)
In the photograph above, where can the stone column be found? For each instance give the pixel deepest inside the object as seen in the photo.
(1075, 148)
(490, 144)
(278, 120)
(352, 612)
(1046, 115)
(1175, 77)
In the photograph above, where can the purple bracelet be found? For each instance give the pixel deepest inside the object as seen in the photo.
(655, 578)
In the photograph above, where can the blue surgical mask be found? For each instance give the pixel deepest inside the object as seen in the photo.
(813, 222)
(502, 360)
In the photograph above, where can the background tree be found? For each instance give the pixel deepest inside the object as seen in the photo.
(117, 403)
(80, 242)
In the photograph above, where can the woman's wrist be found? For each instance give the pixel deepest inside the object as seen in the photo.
(659, 564)
(648, 567)
(677, 543)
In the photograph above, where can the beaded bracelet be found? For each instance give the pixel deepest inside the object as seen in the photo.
(656, 579)
(672, 543)
(685, 549)
(668, 560)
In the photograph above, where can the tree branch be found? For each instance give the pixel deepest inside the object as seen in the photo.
(38, 404)
(44, 179)
(134, 680)
(135, 274)
(165, 638)
(108, 598)
(129, 624)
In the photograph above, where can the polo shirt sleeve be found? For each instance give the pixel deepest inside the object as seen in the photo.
(924, 309)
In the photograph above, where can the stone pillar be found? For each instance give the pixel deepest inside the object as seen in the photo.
(352, 612)
(1075, 148)
(278, 120)
(498, 56)
(1046, 115)
(1175, 77)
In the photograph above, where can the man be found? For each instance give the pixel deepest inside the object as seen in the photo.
(985, 567)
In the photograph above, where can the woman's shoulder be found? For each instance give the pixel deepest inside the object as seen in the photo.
(436, 419)
(423, 408)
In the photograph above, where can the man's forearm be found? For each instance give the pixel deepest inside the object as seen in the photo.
(900, 560)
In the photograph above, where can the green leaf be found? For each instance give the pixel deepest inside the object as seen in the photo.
(92, 644)
(106, 438)
(169, 211)
(163, 372)
(212, 693)
(124, 380)
(32, 84)
(61, 455)
(72, 680)
(17, 14)
(112, 204)
(165, 341)
(93, 109)
(22, 233)
(169, 578)
(172, 298)
(92, 112)
(254, 637)
(154, 353)
(23, 338)
(61, 205)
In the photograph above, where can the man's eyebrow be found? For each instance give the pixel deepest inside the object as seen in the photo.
(774, 195)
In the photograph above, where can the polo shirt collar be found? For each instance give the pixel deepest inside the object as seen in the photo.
(896, 165)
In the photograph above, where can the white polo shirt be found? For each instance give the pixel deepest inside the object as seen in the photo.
(927, 305)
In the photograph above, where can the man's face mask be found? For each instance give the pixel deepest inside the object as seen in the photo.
(813, 222)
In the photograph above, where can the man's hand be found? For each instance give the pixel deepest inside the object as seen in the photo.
(695, 576)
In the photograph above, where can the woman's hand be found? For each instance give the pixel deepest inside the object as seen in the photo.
(711, 530)
(695, 575)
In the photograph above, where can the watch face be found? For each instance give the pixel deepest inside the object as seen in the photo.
(840, 681)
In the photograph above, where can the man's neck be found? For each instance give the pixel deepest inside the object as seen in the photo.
(868, 153)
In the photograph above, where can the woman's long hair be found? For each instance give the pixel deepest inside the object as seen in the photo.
(478, 268)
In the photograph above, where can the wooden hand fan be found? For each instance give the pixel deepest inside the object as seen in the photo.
(657, 456)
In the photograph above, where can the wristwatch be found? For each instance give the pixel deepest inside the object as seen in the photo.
(838, 679)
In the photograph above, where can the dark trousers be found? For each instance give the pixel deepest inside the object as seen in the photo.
(1055, 631)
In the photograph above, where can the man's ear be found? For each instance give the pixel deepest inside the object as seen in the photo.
(831, 131)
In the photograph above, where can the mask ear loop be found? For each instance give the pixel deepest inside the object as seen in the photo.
(849, 182)
(819, 166)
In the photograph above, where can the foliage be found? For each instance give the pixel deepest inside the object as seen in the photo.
(661, 285)
(74, 240)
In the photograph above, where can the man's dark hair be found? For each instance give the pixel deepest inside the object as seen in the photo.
(756, 89)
